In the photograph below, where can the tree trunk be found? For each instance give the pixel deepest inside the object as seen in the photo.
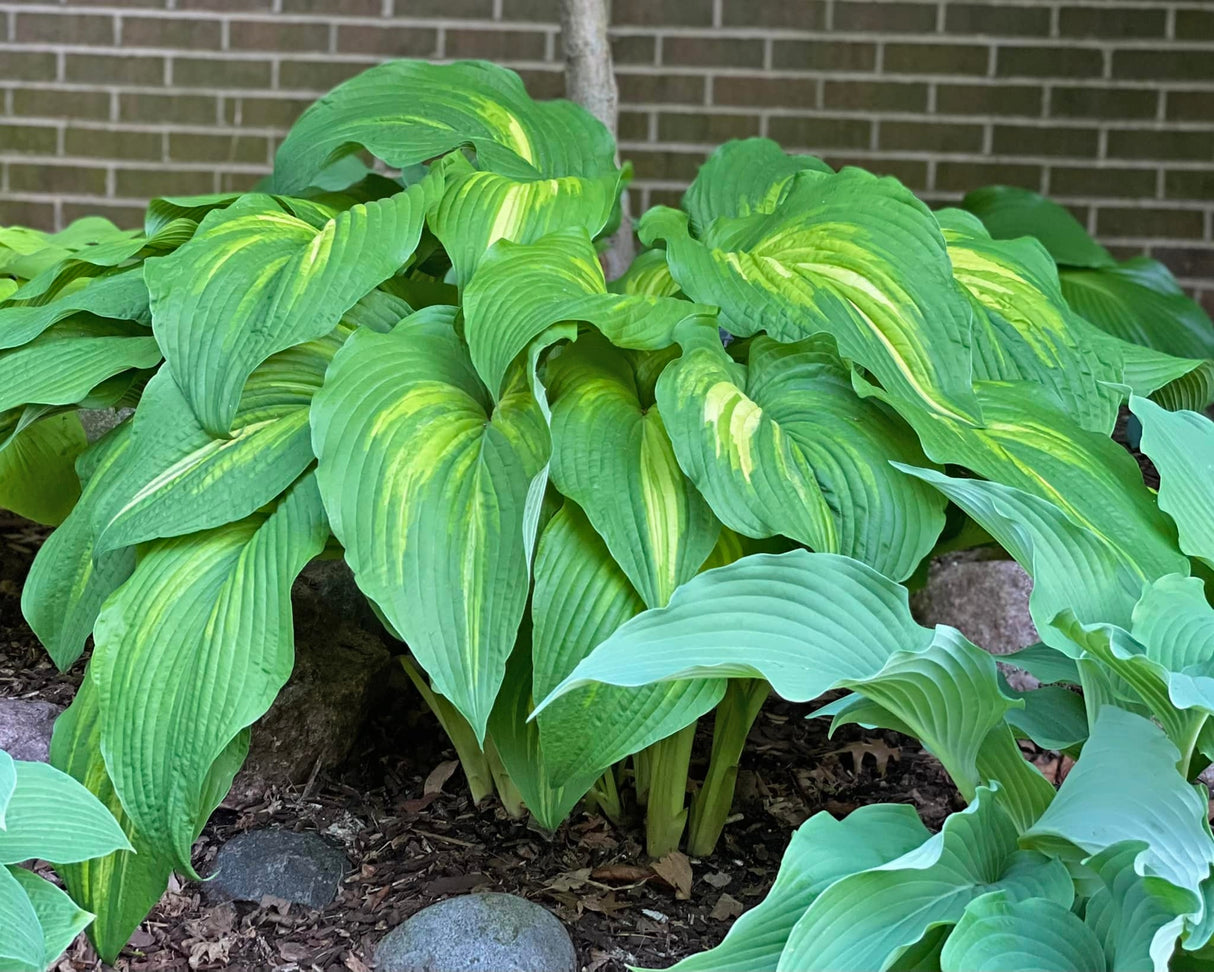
(590, 81)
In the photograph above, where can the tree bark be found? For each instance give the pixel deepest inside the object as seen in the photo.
(590, 81)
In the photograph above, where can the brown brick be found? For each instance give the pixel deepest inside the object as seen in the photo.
(551, 84)
(199, 72)
(1112, 22)
(539, 11)
(100, 143)
(159, 181)
(913, 136)
(875, 95)
(648, 89)
(124, 217)
(264, 112)
(393, 41)
(51, 103)
(996, 20)
(176, 32)
(1049, 62)
(497, 45)
(73, 28)
(816, 134)
(667, 166)
(237, 181)
(1040, 140)
(1195, 106)
(1191, 261)
(665, 197)
(450, 8)
(29, 65)
(795, 14)
(989, 99)
(910, 172)
(1207, 301)
(935, 59)
(712, 51)
(217, 147)
(1104, 102)
(764, 90)
(114, 69)
(1149, 143)
(45, 177)
(318, 75)
(28, 139)
(27, 212)
(662, 13)
(698, 127)
(178, 109)
(235, 6)
(1164, 65)
(633, 126)
(1133, 221)
(632, 49)
(863, 15)
(1195, 24)
(964, 176)
(1189, 183)
(823, 55)
(344, 8)
(1089, 181)
(277, 35)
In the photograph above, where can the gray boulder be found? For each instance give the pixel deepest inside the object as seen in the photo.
(98, 421)
(479, 933)
(25, 728)
(303, 869)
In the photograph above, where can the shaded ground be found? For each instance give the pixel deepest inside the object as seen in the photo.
(409, 848)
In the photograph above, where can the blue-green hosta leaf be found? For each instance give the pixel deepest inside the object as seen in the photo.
(743, 177)
(784, 446)
(1125, 787)
(467, 103)
(998, 933)
(612, 456)
(520, 290)
(180, 479)
(61, 920)
(581, 596)
(190, 651)
(69, 579)
(22, 946)
(864, 921)
(1181, 444)
(1009, 212)
(8, 781)
(64, 363)
(253, 281)
(1053, 717)
(37, 468)
(822, 851)
(1175, 622)
(425, 483)
(120, 296)
(848, 254)
(1048, 665)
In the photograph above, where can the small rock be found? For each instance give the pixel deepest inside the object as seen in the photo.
(98, 421)
(25, 728)
(300, 868)
(479, 933)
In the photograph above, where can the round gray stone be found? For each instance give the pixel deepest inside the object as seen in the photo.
(25, 728)
(479, 933)
(300, 868)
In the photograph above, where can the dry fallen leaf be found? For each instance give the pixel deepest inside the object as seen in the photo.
(292, 952)
(355, 964)
(726, 907)
(718, 879)
(675, 870)
(882, 753)
(622, 873)
(569, 881)
(439, 775)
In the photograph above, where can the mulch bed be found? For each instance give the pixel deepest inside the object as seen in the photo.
(410, 845)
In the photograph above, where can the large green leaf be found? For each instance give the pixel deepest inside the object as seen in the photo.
(37, 468)
(425, 483)
(1009, 212)
(121, 296)
(255, 280)
(784, 446)
(998, 933)
(190, 651)
(61, 920)
(470, 103)
(612, 456)
(8, 782)
(22, 946)
(822, 851)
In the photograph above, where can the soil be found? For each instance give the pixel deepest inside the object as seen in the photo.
(411, 844)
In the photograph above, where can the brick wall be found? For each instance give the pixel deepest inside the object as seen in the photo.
(1108, 105)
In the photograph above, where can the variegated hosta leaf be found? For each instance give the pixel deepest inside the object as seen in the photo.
(425, 483)
(581, 596)
(648, 274)
(864, 921)
(25, 253)
(59, 917)
(478, 208)
(783, 445)
(1009, 212)
(850, 254)
(193, 649)
(255, 280)
(822, 851)
(120, 296)
(999, 933)
(467, 103)
(519, 291)
(180, 479)
(743, 177)
(1125, 787)
(69, 578)
(1181, 444)
(64, 363)
(611, 455)
(37, 467)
